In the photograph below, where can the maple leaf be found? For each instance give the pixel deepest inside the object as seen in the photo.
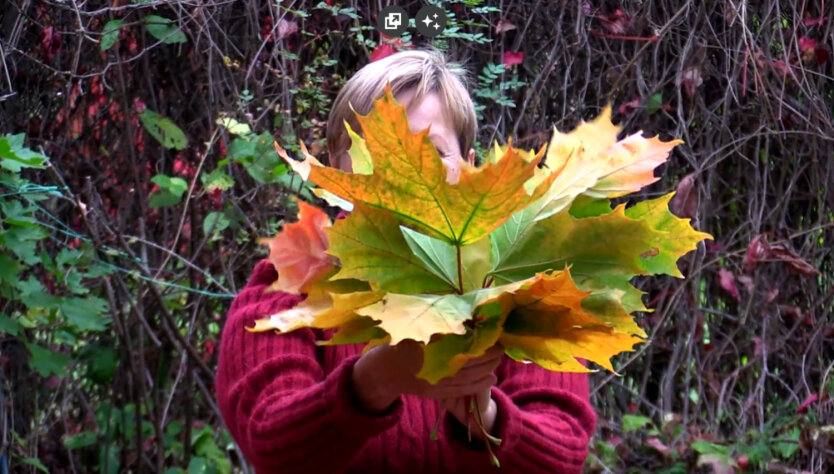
(321, 309)
(541, 312)
(585, 244)
(299, 252)
(410, 179)
(370, 246)
(591, 160)
(677, 238)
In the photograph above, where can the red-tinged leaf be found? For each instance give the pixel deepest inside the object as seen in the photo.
(794, 261)
(759, 250)
(809, 400)
(383, 50)
(812, 21)
(756, 251)
(511, 58)
(747, 282)
(50, 42)
(757, 346)
(728, 282)
(503, 26)
(616, 22)
(691, 79)
(139, 105)
(806, 44)
(629, 106)
(685, 202)
(807, 49)
(782, 68)
(286, 28)
(771, 295)
(658, 446)
(299, 252)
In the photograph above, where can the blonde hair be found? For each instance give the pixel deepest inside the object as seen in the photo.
(422, 71)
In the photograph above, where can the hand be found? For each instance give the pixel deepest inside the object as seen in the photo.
(463, 410)
(384, 373)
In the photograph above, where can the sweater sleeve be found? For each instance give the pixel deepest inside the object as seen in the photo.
(276, 400)
(544, 419)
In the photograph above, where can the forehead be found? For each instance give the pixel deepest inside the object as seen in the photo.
(429, 112)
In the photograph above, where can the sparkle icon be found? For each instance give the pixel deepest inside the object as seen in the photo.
(430, 21)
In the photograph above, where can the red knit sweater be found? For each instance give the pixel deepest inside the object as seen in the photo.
(290, 406)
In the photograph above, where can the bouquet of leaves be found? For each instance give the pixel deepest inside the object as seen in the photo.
(525, 250)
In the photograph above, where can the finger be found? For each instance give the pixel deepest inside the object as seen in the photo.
(484, 366)
(456, 391)
(496, 351)
(480, 362)
(492, 354)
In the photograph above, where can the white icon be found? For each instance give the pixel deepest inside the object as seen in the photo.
(427, 20)
(393, 21)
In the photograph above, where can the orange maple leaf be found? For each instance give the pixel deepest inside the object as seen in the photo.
(299, 252)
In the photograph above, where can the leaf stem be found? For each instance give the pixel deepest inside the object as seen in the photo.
(489, 440)
(460, 272)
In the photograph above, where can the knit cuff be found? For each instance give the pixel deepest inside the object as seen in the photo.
(340, 395)
(508, 422)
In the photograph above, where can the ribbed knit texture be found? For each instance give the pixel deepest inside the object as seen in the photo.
(290, 406)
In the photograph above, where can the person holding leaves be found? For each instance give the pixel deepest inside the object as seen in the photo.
(295, 406)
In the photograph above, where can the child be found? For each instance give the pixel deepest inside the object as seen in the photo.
(293, 406)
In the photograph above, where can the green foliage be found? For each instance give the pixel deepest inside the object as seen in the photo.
(52, 322)
(163, 129)
(26, 253)
(170, 191)
(495, 88)
(164, 29)
(14, 156)
(110, 34)
(635, 422)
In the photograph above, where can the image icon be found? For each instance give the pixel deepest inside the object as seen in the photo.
(430, 21)
(392, 21)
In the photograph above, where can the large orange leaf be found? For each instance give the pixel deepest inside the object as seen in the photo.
(410, 180)
(299, 252)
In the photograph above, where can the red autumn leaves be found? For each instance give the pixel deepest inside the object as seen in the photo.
(761, 251)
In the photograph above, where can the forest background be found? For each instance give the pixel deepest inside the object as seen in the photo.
(119, 255)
